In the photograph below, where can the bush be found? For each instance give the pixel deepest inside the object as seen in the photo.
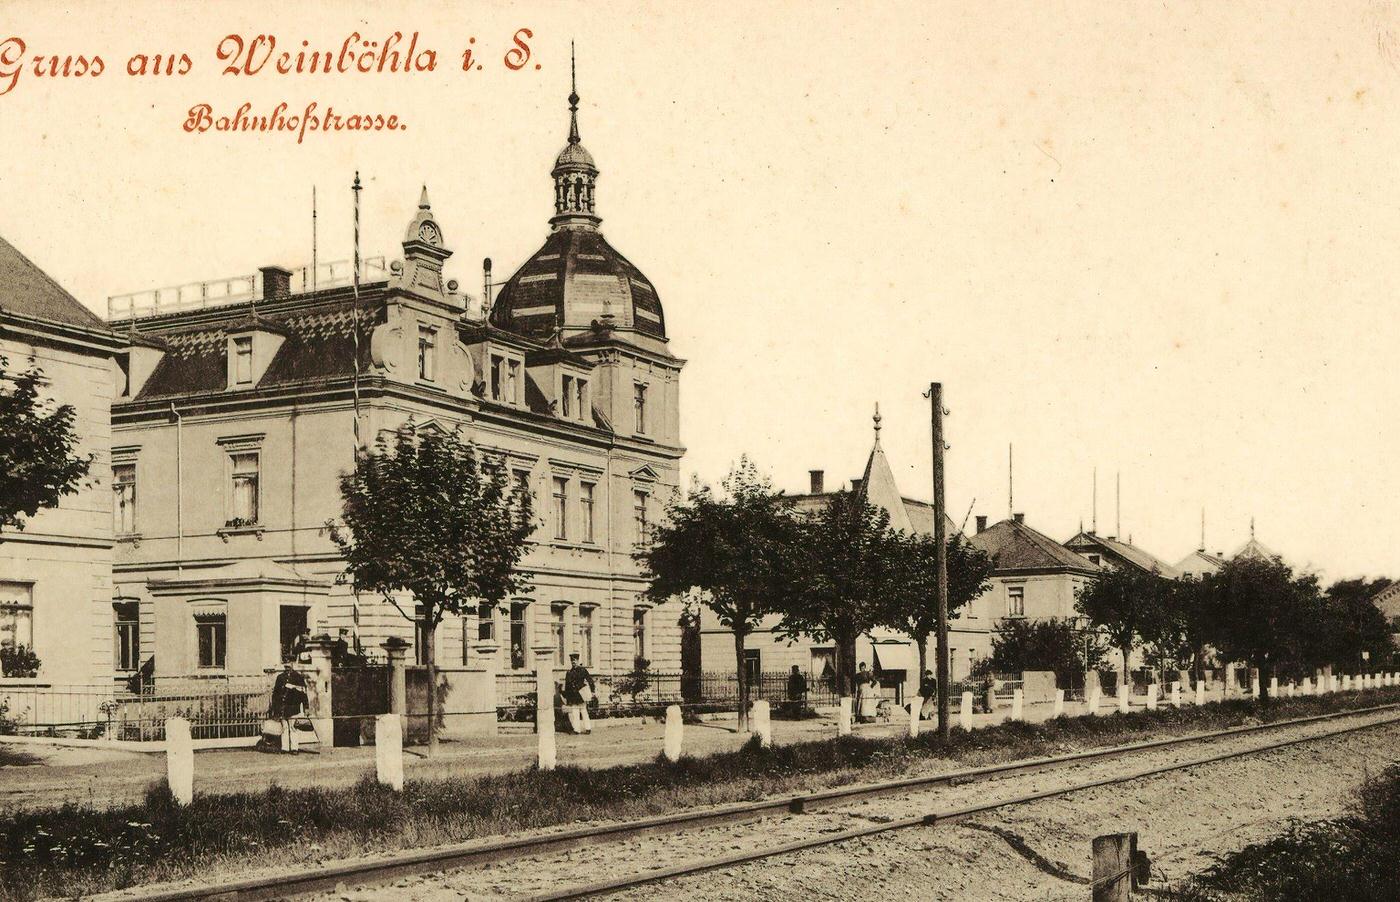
(18, 661)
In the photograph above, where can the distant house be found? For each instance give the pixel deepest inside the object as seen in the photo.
(892, 655)
(1109, 551)
(1388, 600)
(1200, 563)
(1033, 576)
(56, 573)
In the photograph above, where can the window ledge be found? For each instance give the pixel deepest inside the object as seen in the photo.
(253, 529)
(575, 546)
(132, 537)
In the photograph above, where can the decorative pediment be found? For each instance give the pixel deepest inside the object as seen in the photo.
(645, 473)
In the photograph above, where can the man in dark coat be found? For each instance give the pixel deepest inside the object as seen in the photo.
(575, 682)
(288, 702)
(796, 691)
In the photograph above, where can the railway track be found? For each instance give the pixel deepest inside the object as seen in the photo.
(477, 853)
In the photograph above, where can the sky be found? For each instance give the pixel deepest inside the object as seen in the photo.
(1148, 240)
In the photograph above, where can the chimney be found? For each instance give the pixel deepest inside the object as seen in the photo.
(277, 282)
(855, 485)
(1019, 518)
(486, 288)
(981, 522)
(817, 481)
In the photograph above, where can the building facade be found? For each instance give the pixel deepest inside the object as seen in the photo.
(55, 574)
(1033, 576)
(239, 418)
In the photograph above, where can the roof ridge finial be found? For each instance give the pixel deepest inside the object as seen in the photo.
(877, 419)
(423, 199)
(573, 97)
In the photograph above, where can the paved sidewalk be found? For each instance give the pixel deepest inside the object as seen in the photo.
(104, 778)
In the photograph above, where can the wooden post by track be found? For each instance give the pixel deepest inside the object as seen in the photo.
(940, 538)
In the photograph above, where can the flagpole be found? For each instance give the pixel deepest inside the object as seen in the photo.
(355, 315)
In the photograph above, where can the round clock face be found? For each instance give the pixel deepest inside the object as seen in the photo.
(429, 233)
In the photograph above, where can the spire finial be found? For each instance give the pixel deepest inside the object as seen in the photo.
(573, 97)
(423, 199)
(1251, 528)
(877, 419)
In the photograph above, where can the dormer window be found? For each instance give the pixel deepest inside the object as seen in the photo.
(505, 379)
(243, 360)
(573, 397)
(566, 397)
(427, 344)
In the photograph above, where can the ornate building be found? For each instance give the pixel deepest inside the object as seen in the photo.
(239, 417)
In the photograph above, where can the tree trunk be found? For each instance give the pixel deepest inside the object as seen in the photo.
(430, 658)
(1266, 670)
(1127, 651)
(922, 642)
(743, 681)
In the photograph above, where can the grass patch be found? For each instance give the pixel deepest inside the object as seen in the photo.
(1356, 857)
(78, 849)
(10, 756)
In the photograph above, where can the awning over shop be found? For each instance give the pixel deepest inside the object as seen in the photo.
(896, 656)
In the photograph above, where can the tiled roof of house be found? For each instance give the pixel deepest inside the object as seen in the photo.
(1016, 546)
(319, 344)
(27, 290)
(1122, 551)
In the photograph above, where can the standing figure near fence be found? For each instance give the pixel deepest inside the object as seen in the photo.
(288, 702)
(578, 692)
(928, 691)
(796, 691)
(865, 696)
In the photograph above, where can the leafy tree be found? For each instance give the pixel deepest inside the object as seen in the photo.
(911, 584)
(845, 556)
(1019, 645)
(1357, 625)
(1125, 603)
(733, 549)
(427, 515)
(39, 463)
(1261, 613)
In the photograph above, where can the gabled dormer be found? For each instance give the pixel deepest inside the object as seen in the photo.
(500, 359)
(565, 379)
(142, 355)
(250, 345)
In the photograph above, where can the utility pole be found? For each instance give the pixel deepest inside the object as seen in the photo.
(940, 539)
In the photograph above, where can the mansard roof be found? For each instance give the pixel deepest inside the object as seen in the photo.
(28, 291)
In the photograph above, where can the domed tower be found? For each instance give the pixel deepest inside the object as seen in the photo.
(577, 281)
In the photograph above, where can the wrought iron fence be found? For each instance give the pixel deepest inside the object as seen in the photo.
(216, 707)
(651, 692)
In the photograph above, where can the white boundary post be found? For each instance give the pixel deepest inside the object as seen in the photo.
(1094, 696)
(179, 760)
(675, 733)
(388, 751)
(1123, 690)
(1200, 693)
(1059, 703)
(1152, 697)
(843, 716)
(1017, 705)
(916, 707)
(762, 722)
(544, 707)
(1176, 693)
(965, 712)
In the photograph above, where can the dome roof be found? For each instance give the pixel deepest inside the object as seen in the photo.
(574, 279)
(574, 155)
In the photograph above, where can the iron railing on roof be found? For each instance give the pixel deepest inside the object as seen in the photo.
(236, 289)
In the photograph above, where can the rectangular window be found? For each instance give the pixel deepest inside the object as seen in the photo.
(427, 341)
(485, 622)
(513, 381)
(561, 508)
(1015, 601)
(639, 516)
(126, 622)
(124, 498)
(585, 636)
(17, 615)
(557, 614)
(566, 398)
(518, 637)
(420, 635)
(211, 631)
(243, 488)
(753, 670)
(497, 376)
(639, 407)
(243, 360)
(585, 502)
(639, 633)
(581, 398)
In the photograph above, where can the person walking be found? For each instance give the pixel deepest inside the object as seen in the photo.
(578, 692)
(288, 702)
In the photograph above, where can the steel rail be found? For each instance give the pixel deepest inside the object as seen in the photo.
(476, 852)
(932, 819)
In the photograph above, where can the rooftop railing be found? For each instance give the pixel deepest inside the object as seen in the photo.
(236, 289)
